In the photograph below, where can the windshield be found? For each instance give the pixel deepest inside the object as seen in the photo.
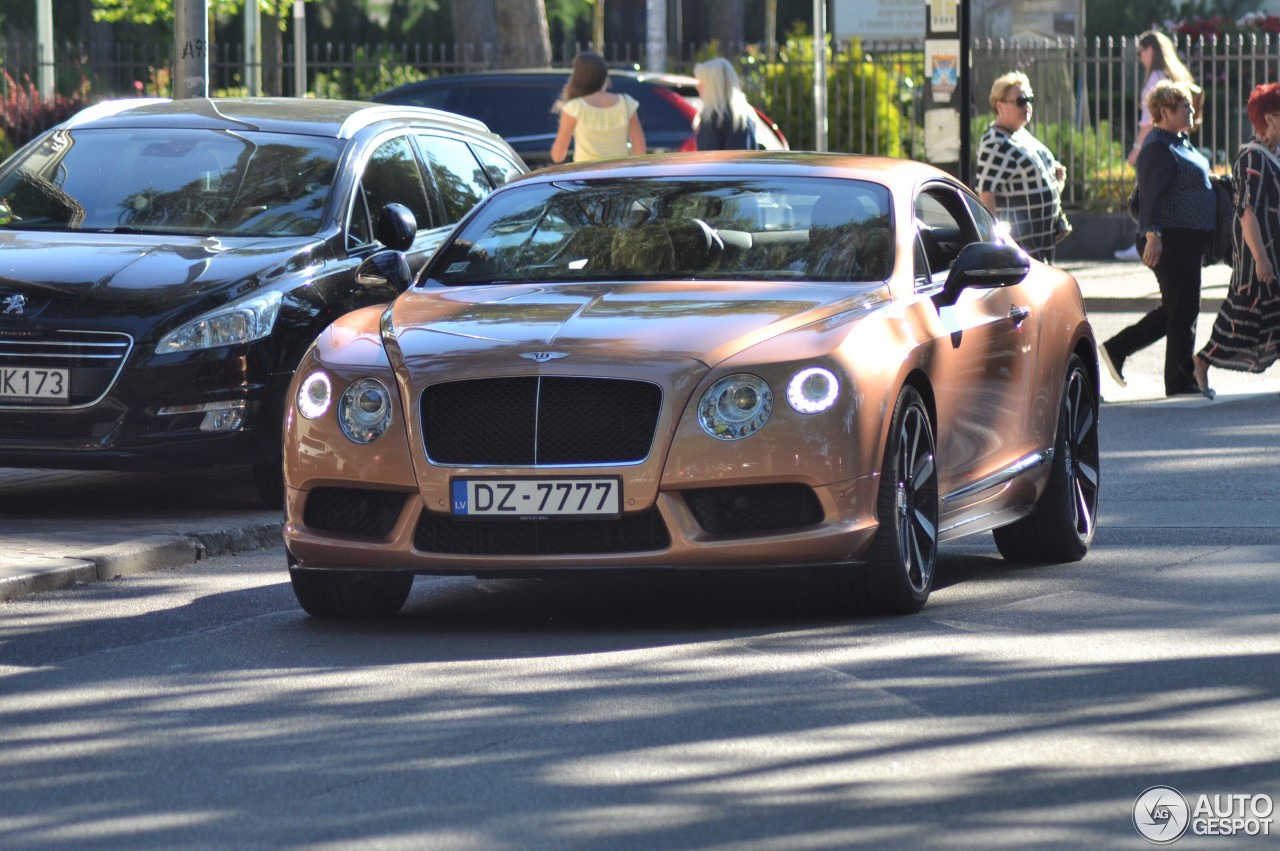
(201, 182)
(695, 228)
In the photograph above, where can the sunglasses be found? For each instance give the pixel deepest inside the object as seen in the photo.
(1022, 100)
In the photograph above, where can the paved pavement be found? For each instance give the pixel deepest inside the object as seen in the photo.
(58, 528)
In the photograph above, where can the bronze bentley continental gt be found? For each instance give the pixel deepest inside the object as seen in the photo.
(700, 361)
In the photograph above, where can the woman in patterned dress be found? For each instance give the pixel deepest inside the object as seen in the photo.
(602, 125)
(1018, 179)
(1246, 334)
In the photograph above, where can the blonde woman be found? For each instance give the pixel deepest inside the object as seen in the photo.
(1019, 180)
(727, 121)
(1160, 60)
(602, 125)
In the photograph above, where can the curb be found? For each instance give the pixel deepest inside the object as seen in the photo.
(144, 555)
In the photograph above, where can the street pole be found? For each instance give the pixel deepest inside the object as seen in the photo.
(252, 49)
(299, 49)
(44, 47)
(947, 94)
(190, 48)
(819, 75)
(656, 31)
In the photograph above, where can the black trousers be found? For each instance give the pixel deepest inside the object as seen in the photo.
(1178, 274)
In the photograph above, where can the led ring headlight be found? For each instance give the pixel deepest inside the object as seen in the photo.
(813, 390)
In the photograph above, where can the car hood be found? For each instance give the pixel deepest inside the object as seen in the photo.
(696, 321)
(103, 275)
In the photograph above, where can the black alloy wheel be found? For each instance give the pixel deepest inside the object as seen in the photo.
(1065, 519)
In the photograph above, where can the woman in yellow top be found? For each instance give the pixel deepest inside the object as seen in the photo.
(601, 124)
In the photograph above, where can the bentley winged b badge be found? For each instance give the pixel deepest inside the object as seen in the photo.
(543, 357)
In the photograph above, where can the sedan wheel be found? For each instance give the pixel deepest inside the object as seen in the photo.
(349, 593)
(903, 555)
(1066, 517)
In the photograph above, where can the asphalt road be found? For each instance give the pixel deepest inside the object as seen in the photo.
(1026, 707)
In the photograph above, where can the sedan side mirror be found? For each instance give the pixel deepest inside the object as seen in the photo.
(396, 227)
(386, 268)
(984, 265)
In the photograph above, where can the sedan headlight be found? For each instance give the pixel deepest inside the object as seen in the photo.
(813, 390)
(364, 411)
(735, 407)
(239, 322)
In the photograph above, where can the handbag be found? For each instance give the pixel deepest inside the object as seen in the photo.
(1061, 227)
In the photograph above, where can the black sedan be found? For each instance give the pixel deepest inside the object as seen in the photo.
(164, 265)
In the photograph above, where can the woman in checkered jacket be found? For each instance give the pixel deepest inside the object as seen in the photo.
(1019, 180)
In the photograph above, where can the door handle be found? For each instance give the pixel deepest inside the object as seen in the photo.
(1018, 314)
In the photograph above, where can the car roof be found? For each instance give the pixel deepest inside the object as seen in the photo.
(886, 170)
(560, 75)
(338, 119)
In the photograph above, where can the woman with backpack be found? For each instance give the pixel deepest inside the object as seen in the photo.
(1246, 334)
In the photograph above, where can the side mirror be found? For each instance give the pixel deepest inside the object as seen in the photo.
(984, 265)
(396, 227)
(386, 268)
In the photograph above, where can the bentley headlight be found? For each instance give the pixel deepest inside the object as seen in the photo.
(238, 322)
(813, 390)
(364, 411)
(735, 407)
(314, 395)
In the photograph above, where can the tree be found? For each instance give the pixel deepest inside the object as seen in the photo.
(522, 26)
(473, 30)
(727, 23)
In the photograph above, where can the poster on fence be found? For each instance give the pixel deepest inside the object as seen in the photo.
(942, 65)
(942, 135)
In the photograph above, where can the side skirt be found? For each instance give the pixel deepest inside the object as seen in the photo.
(995, 500)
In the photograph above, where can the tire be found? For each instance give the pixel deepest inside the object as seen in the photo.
(269, 479)
(899, 575)
(1062, 526)
(349, 593)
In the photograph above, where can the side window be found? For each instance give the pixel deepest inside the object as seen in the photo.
(944, 227)
(392, 176)
(982, 218)
(499, 168)
(459, 177)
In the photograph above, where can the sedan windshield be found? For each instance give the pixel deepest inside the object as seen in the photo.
(201, 182)
(691, 229)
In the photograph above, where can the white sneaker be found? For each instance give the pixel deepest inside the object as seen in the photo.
(1130, 253)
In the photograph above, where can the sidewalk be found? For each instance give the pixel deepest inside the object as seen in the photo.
(58, 528)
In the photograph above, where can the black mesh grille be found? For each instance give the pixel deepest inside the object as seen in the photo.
(642, 531)
(532, 421)
(758, 508)
(350, 511)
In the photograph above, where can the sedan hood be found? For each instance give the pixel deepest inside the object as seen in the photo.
(100, 275)
(705, 322)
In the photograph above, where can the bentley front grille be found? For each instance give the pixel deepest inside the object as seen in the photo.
(540, 421)
(643, 531)
(92, 359)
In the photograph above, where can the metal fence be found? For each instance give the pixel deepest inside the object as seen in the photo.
(1086, 92)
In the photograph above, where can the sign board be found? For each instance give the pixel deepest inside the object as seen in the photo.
(875, 20)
